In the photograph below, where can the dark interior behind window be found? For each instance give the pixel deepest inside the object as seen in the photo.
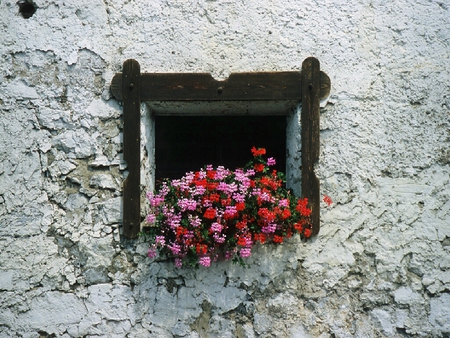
(188, 143)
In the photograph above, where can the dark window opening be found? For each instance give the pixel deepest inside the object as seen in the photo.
(188, 143)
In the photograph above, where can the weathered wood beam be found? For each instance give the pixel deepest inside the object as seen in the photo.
(310, 118)
(131, 147)
(238, 87)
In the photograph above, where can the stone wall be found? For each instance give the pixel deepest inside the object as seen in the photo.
(381, 263)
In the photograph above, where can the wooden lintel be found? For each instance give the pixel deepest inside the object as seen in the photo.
(238, 87)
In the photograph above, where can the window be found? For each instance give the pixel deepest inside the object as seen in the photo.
(187, 143)
(180, 140)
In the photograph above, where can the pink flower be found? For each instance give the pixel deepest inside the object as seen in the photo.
(195, 221)
(156, 201)
(187, 204)
(160, 240)
(271, 161)
(199, 190)
(178, 262)
(229, 254)
(151, 252)
(205, 261)
(270, 228)
(239, 197)
(245, 252)
(284, 203)
(221, 173)
(230, 212)
(219, 238)
(175, 248)
(150, 218)
(217, 227)
(250, 172)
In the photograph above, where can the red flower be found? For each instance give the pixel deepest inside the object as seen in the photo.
(181, 231)
(258, 152)
(241, 225)
(264, 180)
(242, 241)
(327, 200)
(201, 249)
(230, 214)
(200, 183)
(286, 213)
(240, 206)
(266, 215)
(260, 238)
(305, 212)
(214, 197)
(302, 207)
(298, 226)
(210, 213)
(225, 201)
(259, 167)
(275, 184)
(277, 239)
(307, 233)
(272, 183)
(211, 174)
(211, 185)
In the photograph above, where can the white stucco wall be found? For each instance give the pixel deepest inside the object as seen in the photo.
(381, 263)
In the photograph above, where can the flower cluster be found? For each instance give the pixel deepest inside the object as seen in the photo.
(216, 213)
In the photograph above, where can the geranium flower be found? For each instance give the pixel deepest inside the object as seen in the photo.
(216, 213)
(259, 167)
(258, 152)
(205, 261)
(327, 200)
(210, 213)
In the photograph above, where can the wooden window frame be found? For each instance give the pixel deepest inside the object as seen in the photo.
(133, 87)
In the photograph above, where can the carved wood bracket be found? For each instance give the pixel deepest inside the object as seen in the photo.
(132, 87)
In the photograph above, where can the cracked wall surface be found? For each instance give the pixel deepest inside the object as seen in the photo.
(380, 266)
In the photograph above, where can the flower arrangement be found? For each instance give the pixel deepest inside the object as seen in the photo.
(216, 213)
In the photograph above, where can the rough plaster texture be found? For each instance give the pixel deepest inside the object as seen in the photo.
(381, 263)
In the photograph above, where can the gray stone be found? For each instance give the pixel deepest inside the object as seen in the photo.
(262, 323)
(406, 295)
(111, 210)
(180, 329)
(76, 143)
(76, 202)
(20, 90)
(384, 320)
(440, 312)
(52, 311)
(6, 279)
(103, 110)
(104, 181)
